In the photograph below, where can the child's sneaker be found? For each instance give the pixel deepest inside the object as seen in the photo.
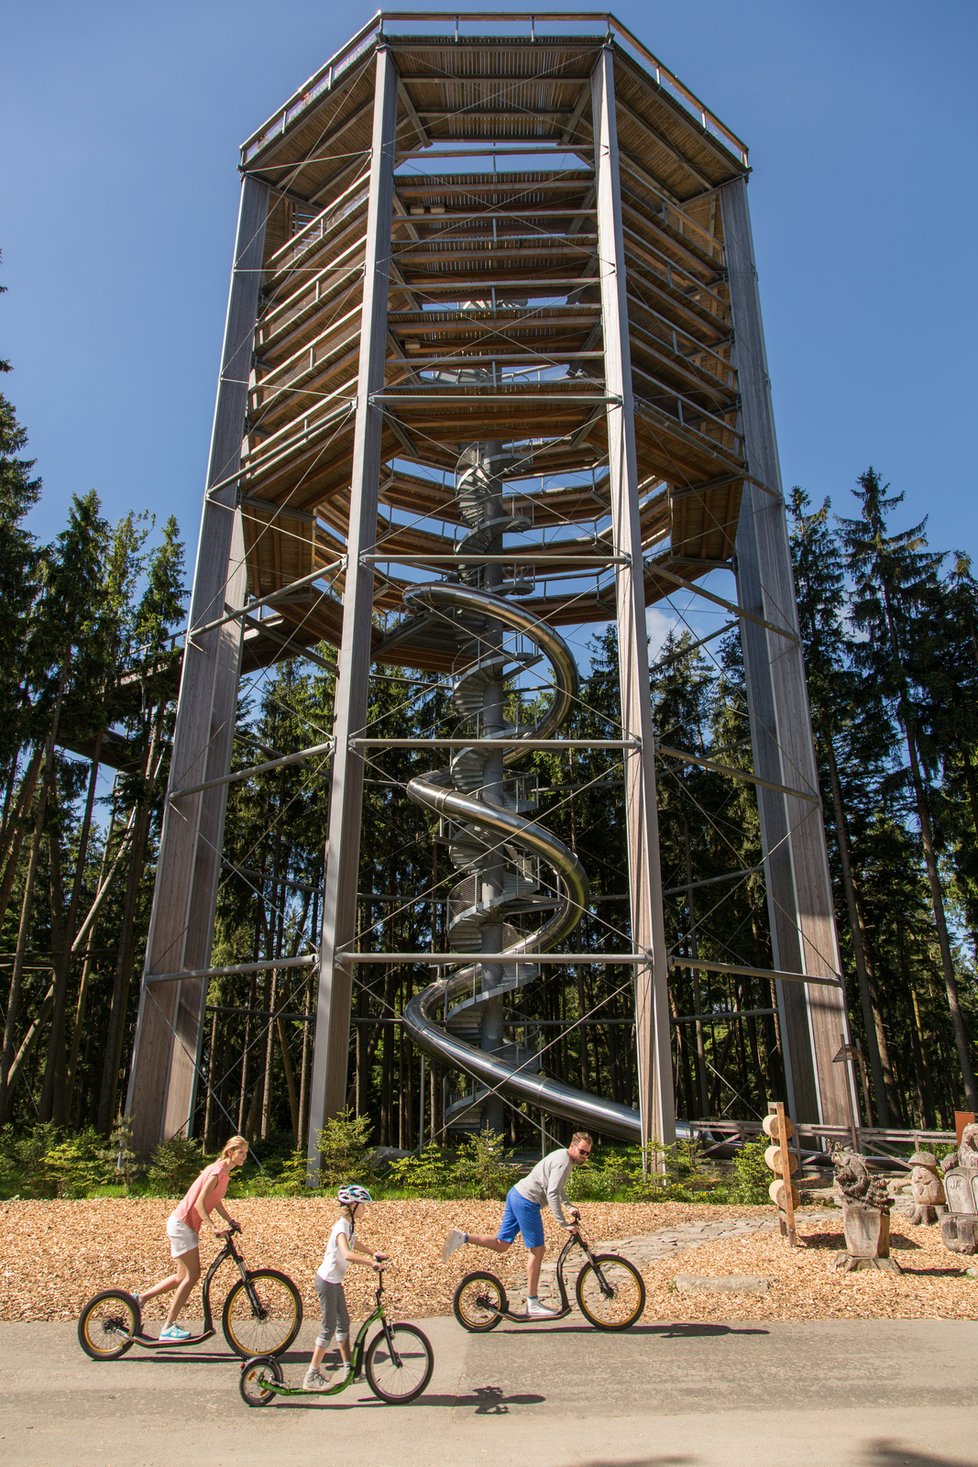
(174, 1332)
(454, 1240)
(536, 1310)
(314, 1380)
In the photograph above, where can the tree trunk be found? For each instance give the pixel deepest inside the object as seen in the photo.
(908, 723)
(884, 1086)
(961, 1041)
(137, 834)
(15, 989)
(15, 827)
(54, 1092)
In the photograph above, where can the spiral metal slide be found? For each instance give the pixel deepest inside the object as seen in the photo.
(486, 830)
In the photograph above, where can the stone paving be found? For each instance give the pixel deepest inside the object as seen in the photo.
(647, 1247)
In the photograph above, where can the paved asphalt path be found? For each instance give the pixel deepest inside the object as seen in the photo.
(857, 1393)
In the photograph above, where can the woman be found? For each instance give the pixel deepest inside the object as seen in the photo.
(183, 1230)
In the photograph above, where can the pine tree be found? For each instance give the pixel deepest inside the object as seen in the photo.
(895, 579)
(839, 733)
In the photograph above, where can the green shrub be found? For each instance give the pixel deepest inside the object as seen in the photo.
(22, 1161)
(48, 1162)
(292, 1176)
(427, 1174)
(127, 1164)
(480, 1167)
(344, 1151)
(676, 1173)
(754, 1176)
(173, 1166)
(76, 1165)
(605, 1178)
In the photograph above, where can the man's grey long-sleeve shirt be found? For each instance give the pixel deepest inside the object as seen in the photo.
(545, 1184)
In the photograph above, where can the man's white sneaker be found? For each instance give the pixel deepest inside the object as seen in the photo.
(454, 1240)
(536, 1310)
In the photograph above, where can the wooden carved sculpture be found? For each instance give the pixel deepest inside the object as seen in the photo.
(865, 1214)
(926, 1188)
(959, 1225)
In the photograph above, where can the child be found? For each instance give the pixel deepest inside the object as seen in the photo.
(341, 1249)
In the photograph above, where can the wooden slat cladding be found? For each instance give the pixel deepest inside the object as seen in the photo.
(494, 327)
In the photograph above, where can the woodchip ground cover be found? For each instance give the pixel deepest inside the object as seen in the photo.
(55, 1255)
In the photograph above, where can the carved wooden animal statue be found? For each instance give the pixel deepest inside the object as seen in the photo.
(926, 1188)
(865, 1214)
(853, 1182)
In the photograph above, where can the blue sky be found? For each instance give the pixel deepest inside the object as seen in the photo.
(119, 193)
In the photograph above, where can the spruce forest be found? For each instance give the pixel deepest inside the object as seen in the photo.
(88, 678)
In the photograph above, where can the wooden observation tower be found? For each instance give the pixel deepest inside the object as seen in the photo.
(493, 368)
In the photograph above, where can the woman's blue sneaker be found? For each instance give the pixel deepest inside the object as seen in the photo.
(174, 1332)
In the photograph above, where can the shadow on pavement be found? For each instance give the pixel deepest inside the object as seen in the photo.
(663, 1327)
(667, 1461)
(487, 1401)
(183, 1357)
(887, 1453)
(681, 1330)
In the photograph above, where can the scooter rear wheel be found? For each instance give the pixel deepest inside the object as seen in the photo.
(107, 1324)
(480, 1302)
(252, 1382)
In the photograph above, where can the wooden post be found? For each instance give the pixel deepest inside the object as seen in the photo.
(327, 1092)
(799, 890)
(162, 1081)
(778, 1126)
(656, 1101)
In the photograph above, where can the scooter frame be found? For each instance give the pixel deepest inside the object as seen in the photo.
(480, 1302)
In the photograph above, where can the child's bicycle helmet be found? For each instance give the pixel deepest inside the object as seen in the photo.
(350, 1196)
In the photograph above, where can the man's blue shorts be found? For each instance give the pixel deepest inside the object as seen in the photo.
(521, 1216)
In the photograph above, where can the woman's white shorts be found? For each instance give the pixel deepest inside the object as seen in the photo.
(182, 1237)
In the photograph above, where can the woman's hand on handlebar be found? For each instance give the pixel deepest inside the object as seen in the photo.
(379, 1260)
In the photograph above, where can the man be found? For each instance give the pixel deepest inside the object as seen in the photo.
(523, 1214)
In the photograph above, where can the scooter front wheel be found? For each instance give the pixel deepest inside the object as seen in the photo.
(610, 1292)
(399, 1362)
(262, 1314)
(480, 1302)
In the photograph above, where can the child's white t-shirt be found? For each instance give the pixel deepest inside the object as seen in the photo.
(333, 1266)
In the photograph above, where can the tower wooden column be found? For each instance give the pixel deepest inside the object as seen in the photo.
(330, 1056)
(168, 1028)
(799, 891)
(656, 1105)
